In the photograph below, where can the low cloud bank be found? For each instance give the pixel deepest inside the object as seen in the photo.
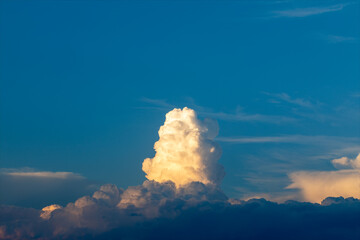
(162, 211)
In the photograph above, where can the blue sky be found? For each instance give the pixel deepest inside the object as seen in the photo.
(85, 85)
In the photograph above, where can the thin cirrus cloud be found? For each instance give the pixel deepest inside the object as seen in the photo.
(54, 175)
(284, 97)
(300, 139)
(339, 39)
(309, 11)
(238, 116)
(157, 102)
(32, 188)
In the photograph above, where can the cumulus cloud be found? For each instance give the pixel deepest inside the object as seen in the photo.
(182, 199)
(46, 211)
(317, 185)
(185, 151)
(90, 218)
(108, 208)
(345, 162)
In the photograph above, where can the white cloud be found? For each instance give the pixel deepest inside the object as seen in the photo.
(185, 151)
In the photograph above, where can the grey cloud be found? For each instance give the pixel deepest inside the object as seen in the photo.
(197, 212)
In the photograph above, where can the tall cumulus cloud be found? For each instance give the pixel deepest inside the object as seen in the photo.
(185, 151)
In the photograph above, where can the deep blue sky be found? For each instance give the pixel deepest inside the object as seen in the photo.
(85, 85)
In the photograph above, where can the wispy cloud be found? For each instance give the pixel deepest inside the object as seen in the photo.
(60, 175)
(284, 97)
(34, 188)
(157, 102)
(238, 116)
(339, 39)
(309, 11)
(356, 95)
(30, 173)
(300, 139)
(246, 117)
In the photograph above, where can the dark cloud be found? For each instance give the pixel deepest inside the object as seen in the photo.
(161, 211)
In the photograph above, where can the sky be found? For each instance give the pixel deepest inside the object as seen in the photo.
(122, 118)
(86, 84)
(85, 87)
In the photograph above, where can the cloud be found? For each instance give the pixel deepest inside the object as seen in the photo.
(185, 151)
(149, 198)
(310, 11)
(317, 185)
(90, 218)
(299, 139)
(296, 101)
(160, 103)
(356, 95)
(182, 199)
(46, 211)
(59, 175)
(32, 188)
(238, 116)
(345, 162)
(339, 39)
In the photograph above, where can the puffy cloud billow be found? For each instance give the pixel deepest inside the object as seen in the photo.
(182, 199)
(316, 185)
(186, 151)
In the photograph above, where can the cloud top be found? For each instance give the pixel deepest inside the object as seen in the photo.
(185, 151)
(345, 162)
